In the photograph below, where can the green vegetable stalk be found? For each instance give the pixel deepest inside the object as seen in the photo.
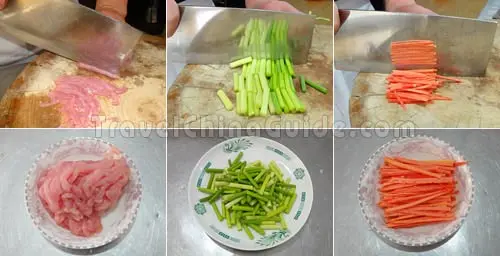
(253, 196)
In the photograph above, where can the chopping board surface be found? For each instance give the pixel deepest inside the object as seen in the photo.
(475, 104)
(143, 105)
(193, 102)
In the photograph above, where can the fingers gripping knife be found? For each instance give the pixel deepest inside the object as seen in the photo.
(463, 45)
(72, 31)
(209, 35)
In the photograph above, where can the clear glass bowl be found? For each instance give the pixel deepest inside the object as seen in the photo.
(117, 221)
(421, 148)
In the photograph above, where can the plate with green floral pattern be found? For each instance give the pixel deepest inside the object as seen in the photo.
(253, 149)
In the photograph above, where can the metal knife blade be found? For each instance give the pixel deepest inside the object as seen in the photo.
(363, 42)
(204, 35)
(72, 31)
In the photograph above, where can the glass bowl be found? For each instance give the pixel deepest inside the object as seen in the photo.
(116, 222)
(421, 148)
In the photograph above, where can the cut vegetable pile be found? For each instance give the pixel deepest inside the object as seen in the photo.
(265, 84)
(414, 53)
(415, 193)
(416, 86)
(253, 196)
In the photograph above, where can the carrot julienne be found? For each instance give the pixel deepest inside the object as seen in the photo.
(415, 77)
(415, 192)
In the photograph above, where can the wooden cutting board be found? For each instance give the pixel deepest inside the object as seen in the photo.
(143, 105)
(193, 102)
(475, 104)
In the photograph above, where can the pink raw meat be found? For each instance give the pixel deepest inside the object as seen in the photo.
(98, 70)
(78, 193)
(101, 54)
(77, 98)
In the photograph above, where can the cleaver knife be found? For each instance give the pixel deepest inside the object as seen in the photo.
(363, 42)
(207, 35)
(72, 31)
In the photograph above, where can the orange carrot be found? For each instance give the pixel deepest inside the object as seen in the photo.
(415, 193)
(422, 180)
(410, 167)
(414, 223)
(415, 62)
(439, 97)
(426, 213)
(414, 203)
(450, 79)
(448, 163)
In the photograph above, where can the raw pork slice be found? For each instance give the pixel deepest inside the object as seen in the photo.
(78, 193)
(78, 101)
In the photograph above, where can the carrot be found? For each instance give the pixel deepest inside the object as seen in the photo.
(406, 73)
(405, 198)
(403, 82)
(391, 187)
(410, 167)
(406, 101)
(414, 203)
(423, 220)
(414, 193)
(426, 213)
(400, 217)
(415, 62)
(422, 180)
(448, 163)
(393, 201)
(422, 208)
(410, 224)
(417, 91)
(417, 190)
(414, 41)
(439, 97)
(413, 96)
(450, 79)
(425, 71)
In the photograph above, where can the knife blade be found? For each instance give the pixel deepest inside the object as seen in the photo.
(363, 42)
(72, 31)
(206, 35)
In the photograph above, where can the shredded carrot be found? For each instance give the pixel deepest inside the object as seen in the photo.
(414, 53)
(418, 221)
(410, 167)
(415, 192)
(415, 77)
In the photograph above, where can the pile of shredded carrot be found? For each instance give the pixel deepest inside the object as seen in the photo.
(415, 193)
(416, 86)
(414, 54)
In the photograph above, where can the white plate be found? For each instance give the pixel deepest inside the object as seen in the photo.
(253, 148)
(116, 222)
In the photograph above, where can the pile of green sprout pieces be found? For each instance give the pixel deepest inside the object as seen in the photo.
(265, 84)
(252, 196)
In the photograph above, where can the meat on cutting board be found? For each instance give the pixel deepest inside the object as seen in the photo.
(97, 70)
(78, 193)
(77, 98)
